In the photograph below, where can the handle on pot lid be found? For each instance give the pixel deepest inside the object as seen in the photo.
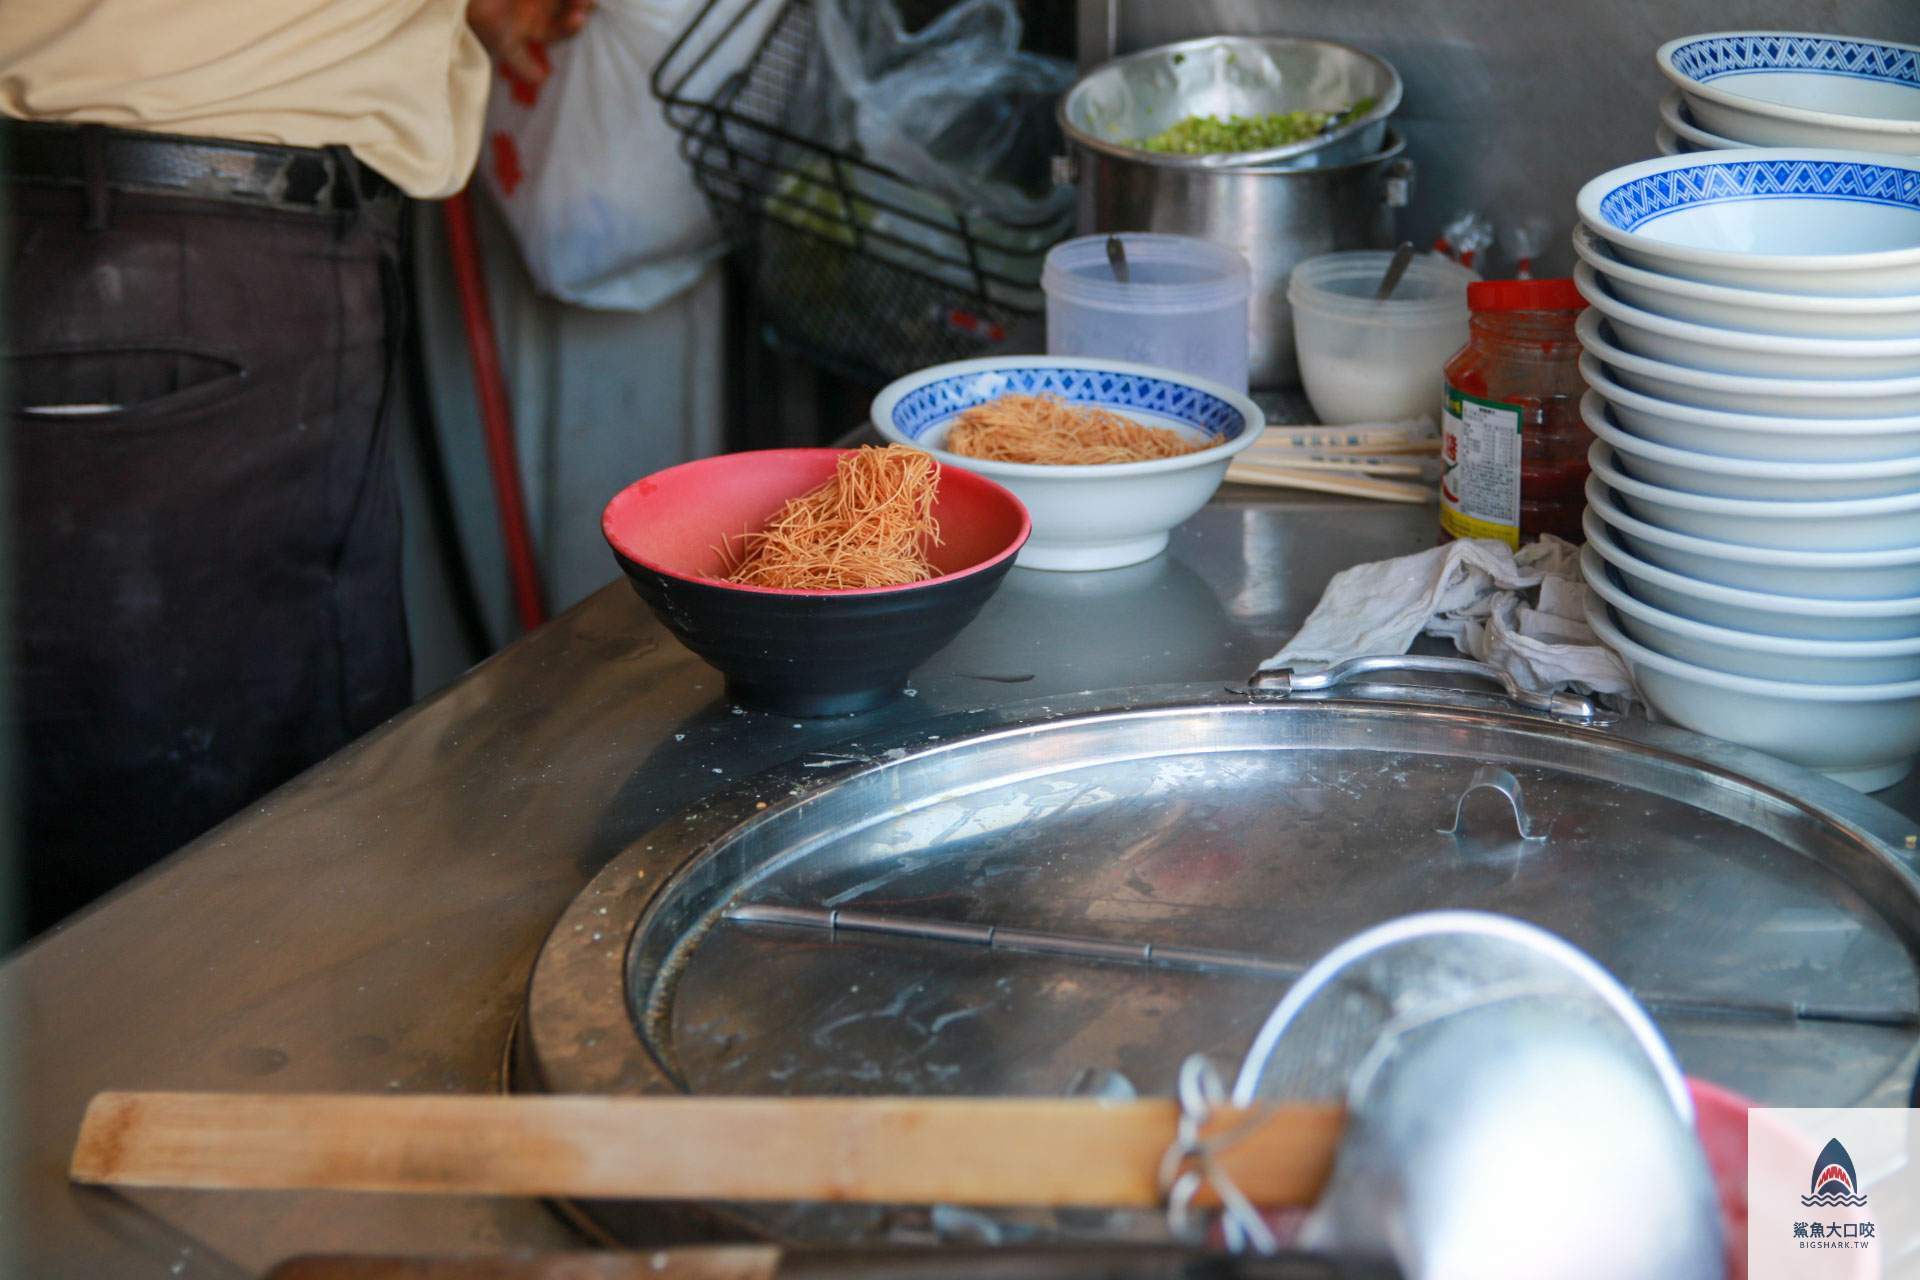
(1397, 192)
(1282, 682)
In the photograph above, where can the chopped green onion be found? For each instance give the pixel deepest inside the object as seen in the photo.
(1210, 135)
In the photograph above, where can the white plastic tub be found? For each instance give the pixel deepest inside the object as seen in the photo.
(1183, 306)
(1368, 361)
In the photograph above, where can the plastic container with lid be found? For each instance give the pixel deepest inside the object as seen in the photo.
(1183, 305)
(1511, 436)
(1366, 360)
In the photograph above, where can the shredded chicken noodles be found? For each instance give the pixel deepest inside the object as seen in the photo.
(1046, 429)
(869, 526)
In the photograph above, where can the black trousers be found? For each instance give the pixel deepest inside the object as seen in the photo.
(207, 531)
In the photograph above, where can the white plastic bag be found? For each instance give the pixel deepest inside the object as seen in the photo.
(957, 106)
(585, 168)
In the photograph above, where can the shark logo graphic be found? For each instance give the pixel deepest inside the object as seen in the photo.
(1833, 1182)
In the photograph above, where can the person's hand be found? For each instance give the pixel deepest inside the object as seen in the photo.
(514, 30)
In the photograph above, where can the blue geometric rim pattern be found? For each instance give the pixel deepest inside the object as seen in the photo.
(1704, 60)
(926, 407)
(1632, 203)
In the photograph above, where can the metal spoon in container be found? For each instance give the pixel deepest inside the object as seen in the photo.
(1396, 268)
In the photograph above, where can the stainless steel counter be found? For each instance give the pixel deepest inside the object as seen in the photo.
(370, 926)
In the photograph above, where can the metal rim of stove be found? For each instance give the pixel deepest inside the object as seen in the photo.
(581, 977)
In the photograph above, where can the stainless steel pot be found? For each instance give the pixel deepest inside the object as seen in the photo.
(1120, 102)
(1277, 216)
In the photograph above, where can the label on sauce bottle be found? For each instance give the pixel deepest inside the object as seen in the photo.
(1480, 454)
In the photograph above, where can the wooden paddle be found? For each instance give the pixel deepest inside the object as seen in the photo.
(963, 1151)
(1079, 1260)
(711, 1262)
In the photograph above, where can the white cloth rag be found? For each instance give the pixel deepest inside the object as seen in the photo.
(1471, 592)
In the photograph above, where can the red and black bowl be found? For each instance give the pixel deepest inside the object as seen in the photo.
(803, 653)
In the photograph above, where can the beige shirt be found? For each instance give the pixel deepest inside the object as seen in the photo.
(401, 82)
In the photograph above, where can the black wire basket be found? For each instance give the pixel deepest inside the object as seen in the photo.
(854, 267)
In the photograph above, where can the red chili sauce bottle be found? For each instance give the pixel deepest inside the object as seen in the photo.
(1512, 442)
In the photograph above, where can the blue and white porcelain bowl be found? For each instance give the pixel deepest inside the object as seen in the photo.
(1760, 479)
(1887, 523)
(1751, 653)
(1686, 133)
(1799, 89)
(1728, 349)
(1843, 223)
(1768, 613)
(1084, 517)
(1744, 393)
(1865, 735)
(1778, 437)
(1797, 571)
(1806, 315)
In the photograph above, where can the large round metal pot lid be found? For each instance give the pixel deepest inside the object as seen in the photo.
(1139, 95)
(1768, 918)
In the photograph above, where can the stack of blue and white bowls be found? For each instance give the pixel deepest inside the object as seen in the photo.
(1753, 349)
(1788, 89)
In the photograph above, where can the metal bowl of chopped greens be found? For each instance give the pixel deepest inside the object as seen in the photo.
(1235, 101)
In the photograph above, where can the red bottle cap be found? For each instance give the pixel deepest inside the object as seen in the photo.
(1524, 295)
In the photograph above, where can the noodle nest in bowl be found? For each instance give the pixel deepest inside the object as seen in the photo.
(1047, 430)
(871, 525)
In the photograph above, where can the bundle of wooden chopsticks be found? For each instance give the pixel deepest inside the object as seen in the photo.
(1391, 462)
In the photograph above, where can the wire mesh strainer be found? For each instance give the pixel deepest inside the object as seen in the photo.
(1362, 999)
(1509, 1106)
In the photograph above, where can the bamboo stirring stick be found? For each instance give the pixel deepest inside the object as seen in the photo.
(1344, 483)
(964, 1151)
